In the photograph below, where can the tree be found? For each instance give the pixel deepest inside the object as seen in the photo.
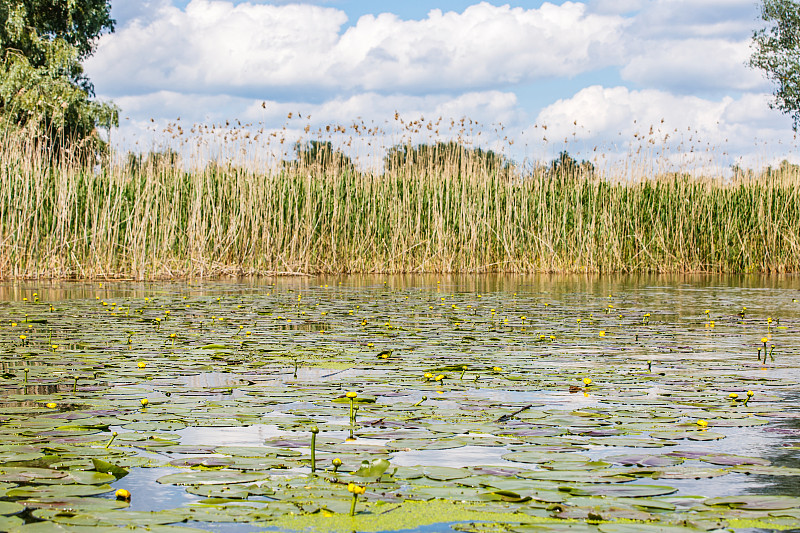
(442, 156)
(776, 51)
(320, 154)
(42, 83)
(567, 167)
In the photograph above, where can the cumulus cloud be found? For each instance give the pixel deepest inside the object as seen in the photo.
(693, 65)
(214, 61)
(683, 19)
(251, 48)
(144, 126)
(621, 120)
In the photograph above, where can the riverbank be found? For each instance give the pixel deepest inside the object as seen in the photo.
(159, 221)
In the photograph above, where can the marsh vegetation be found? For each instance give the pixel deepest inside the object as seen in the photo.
(479, 402)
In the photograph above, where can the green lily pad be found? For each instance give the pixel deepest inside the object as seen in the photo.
(212, 477)
(9, 508)
(372, 470)
(644, 528)
(755, 502)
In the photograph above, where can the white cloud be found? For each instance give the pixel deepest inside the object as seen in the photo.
(623, 121)
(693, 65)
(252, 48)
(231, 116)
(218, 60)
(683, 19)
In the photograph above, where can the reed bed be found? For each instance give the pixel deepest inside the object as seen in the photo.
(451, 214)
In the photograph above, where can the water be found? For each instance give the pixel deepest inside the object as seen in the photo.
(254, 398)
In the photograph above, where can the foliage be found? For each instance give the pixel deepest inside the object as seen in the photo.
(155, 159)
(320, 154)
(42, 83)
(444, 156)
(567, 167)
(777, 53)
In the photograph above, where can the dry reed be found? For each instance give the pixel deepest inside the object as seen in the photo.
(449, 214)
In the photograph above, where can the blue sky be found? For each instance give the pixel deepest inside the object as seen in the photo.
(605, 79)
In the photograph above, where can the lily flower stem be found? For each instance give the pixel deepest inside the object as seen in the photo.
(352, 416)
(113, 436)
(313, 452)
(353, 504)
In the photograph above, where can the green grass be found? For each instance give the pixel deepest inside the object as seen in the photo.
(455, 215)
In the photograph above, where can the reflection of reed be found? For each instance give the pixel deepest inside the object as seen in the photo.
(18, 367)
(34, 388)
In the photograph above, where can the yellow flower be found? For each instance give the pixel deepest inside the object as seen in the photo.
(602, 333)
(144, 402)
(702, 423)
(765, 340)
(496, 369)
(22, 337)
(122, 494)
(141, 364)
(587, 381)
(52, 405)
(733, 396)
(351, 394)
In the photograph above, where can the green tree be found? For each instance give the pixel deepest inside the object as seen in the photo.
(776, 51)
(320, 154)
(567, 167)
(444, 155)
(42, 82)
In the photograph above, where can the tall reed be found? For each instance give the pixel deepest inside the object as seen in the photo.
(443, 214)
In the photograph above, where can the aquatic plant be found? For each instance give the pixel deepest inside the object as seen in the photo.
(314, 430)
(355, 490)
(352, 397)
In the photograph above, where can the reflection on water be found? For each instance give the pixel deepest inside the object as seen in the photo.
(457, 457)
(254, 435)
(148, 495)
(212, 380)
(785, 451)
(752, 286)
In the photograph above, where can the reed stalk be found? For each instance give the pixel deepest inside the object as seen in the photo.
(449, 213)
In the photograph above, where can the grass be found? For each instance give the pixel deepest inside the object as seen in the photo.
(441, 212)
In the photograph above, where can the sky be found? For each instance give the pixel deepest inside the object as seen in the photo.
(651, 82)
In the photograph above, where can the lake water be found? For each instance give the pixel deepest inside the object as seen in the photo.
(513, 402)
